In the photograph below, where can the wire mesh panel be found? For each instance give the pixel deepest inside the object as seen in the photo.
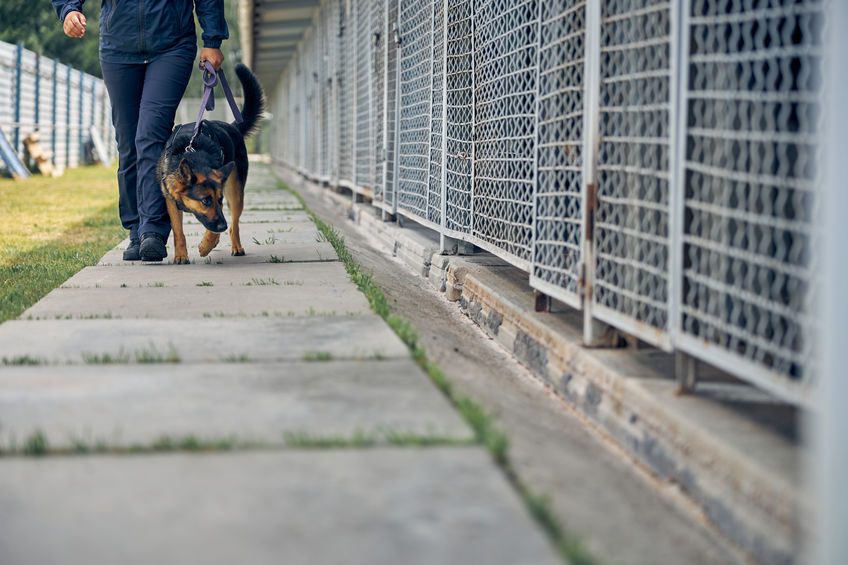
(312, 131)
(364, 134)
(324, 94)
(390, 123)
(751, 158)
(631, 234)
(458, 116)
(328, 14)
(434, 193)
(72, 133)
(345, 91)
(291, 128)
(505, 79)
(415, 20)
(559, 196)
(8, 55)
(27, 100)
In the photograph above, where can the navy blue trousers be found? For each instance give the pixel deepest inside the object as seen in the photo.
(144, 101)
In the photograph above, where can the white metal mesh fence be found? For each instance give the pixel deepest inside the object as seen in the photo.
(378, 86)
(559, 190)
(649, 161)
(346, 89)
(324, 89)
(631, 236)
(62, 104)
(458, 116)
(364, 157)
(434, 193)
(505, 87)
(415, 84)
(751, 165)
(389, 199)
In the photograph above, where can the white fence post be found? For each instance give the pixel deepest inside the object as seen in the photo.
(831, 437)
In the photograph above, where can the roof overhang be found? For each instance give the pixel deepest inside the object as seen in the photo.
(271, 31)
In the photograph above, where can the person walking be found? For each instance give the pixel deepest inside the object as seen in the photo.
(147, 52)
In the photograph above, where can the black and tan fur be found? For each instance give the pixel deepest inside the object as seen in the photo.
(198, 181)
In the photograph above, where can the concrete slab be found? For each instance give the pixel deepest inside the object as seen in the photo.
(261, 231)
(330, 274)
(372, 507)
(261, 297)
(292, 216)
(281, 252)
(258, 235)
(202, 340)
(247, 402)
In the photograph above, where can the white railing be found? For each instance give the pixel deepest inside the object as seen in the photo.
(41, 94)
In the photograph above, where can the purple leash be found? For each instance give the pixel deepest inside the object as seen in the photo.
(210, 79)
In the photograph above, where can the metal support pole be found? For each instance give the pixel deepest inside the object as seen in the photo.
(68, 119)
(831, 424)
(677, 178)
(592, 329)
(37, 87)
(80, 143)
(55, 82)
(17, 101)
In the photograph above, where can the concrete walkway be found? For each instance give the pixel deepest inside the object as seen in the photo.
(183, 410)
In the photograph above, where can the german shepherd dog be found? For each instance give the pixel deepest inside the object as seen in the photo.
(196, 181)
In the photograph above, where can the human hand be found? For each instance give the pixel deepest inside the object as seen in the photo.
(214, 56)
(74, 24)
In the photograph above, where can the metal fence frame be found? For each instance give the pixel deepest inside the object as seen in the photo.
(559, 136)
(60, 102)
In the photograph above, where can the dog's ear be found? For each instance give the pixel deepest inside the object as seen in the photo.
(186, 172)
(226, 170)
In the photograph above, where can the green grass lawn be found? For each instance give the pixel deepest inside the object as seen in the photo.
(50, 228)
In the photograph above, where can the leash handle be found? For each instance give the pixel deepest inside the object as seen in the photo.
(210, 80)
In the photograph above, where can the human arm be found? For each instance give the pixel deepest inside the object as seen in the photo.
(210, 13)
(70, 14)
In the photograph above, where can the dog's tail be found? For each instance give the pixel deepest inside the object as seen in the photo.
(254, 100)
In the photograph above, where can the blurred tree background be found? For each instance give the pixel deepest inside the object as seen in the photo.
(34, 23)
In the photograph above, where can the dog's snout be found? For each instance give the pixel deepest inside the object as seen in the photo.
(221, 225)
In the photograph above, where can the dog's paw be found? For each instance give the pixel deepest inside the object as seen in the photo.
(208, 243)
(205, 248)
(181, 260)
(237, 252)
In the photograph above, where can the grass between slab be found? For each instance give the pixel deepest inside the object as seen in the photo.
(50, 228)
(361, 439)
(36, 444)
(570, 548)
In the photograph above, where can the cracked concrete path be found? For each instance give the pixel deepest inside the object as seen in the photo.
(257, 362)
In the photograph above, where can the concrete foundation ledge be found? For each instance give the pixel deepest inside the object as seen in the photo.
(746, 486)
(725, 452)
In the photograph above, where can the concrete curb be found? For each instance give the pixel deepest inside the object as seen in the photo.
(627, 394)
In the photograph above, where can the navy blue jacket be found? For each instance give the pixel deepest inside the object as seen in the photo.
(134, 31)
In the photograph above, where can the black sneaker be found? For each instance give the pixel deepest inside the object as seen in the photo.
(152, 247)
(131, 252)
